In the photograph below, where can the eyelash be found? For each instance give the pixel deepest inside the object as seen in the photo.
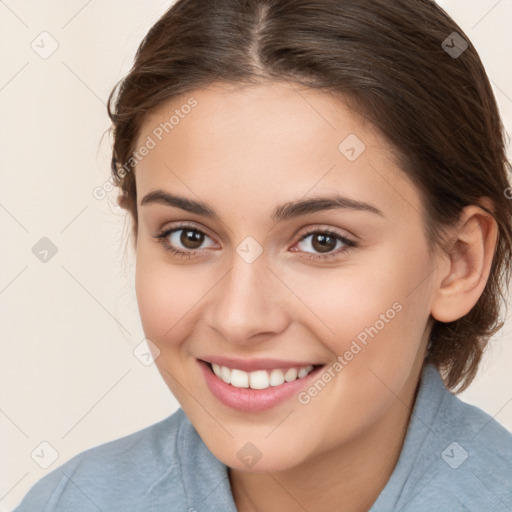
(162, 239)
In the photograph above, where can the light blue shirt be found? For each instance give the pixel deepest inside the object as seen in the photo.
(455, 458)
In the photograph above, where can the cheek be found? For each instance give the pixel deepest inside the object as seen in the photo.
(378, 312)
(380, 303)
(166, 296)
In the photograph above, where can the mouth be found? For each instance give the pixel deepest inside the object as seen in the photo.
(258, 390)
(260, 379)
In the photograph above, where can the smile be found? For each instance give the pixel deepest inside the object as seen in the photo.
(259, 379)
(258, 390)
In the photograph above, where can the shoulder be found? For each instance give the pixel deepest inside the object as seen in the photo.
(131, 472)
(466, 458)
(478, 459)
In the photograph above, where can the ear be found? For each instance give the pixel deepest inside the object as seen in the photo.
(466, 263)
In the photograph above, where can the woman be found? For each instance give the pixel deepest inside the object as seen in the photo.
(318, 195)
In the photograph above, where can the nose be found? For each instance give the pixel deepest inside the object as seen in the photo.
(249, 303)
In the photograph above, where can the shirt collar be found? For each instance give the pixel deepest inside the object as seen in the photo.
(416, 460)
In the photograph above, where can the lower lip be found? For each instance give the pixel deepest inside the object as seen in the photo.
(253, 400)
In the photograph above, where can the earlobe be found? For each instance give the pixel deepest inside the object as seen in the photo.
(468, 257)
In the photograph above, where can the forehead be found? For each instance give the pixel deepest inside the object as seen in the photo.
(274, 141)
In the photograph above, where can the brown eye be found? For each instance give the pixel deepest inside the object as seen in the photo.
(191, 238)
(323, 243)
(184, 240)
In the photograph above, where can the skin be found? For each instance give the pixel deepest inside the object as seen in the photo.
(244, 151)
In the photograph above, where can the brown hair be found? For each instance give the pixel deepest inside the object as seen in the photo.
(436, 109)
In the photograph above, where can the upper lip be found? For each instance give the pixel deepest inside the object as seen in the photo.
(250, 365)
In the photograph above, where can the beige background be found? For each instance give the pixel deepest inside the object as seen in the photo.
(68, 373)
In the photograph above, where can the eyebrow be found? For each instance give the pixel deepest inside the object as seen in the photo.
(283, 212)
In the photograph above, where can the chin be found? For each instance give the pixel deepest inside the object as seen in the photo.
(252, 457)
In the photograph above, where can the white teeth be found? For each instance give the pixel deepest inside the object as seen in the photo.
(217, 370)
(225, 374)
(302, 373)
(259, 379)
(239, 379)
(291, 374)
(276, 378)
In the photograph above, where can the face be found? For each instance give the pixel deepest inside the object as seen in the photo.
(342, 283)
